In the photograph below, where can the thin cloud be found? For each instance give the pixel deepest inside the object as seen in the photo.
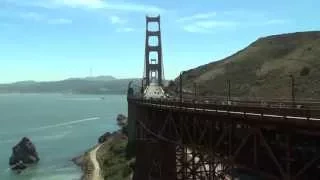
(7, 25)
(90, 5)
(275, 21)
(134, 7)
(117, 20)
(195, 29)
(212, 24)
(203, 22)
(208, 25)
(126, 29)
(37, 17)
(53, 4)
(198, 16)
(32, 16)
(207, 22)
(95, 4)
(60, 21)
(243, 13)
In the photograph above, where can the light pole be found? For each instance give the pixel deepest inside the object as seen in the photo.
(228, 82)
(195, 89)
(142, 85)
(130, 89)
(181, 86)
(229, 89)
(292, 90)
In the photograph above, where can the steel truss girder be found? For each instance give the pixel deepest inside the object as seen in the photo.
(211, 147)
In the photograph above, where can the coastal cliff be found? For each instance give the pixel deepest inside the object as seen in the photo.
(110, 153)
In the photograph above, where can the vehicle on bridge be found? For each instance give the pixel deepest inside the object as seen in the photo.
(154, 91)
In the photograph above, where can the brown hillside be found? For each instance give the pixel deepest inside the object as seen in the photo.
(262, 69)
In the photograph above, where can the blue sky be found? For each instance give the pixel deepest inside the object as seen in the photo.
(57, 39)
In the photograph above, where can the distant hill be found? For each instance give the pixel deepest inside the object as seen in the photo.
(97, 78)
(91, 85)
(263, 69)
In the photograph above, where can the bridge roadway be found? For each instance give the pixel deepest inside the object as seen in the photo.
(260, 139)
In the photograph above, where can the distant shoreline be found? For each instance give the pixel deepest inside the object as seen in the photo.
(60, 93)
(94, 86)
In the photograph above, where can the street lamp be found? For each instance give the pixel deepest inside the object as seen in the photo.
(228, 65)
(181, 73)
(142, 85)
(130, 89)
(229, 89)
(292, 90)
(195, 89)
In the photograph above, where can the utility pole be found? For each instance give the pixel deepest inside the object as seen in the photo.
(228, 82)
(292, 90)
(195, 89)
(229, 89)
(142, 86)
(181, 86)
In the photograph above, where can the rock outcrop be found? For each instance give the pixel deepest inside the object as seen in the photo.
(78, 160)
(23, 154)
(122, 120)
(106, 136)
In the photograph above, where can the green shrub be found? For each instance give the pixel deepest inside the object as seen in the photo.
(115, 166)
(126, 171)
(304, 71)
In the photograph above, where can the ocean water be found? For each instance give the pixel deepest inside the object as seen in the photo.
(60, 126)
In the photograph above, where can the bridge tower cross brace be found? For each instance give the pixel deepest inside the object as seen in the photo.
(153, 66)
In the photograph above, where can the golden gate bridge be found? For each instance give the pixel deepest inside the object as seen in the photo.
(195, 137)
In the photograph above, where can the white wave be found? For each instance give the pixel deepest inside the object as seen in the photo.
(64, 124)
(7, 170)
(51, 137)
(8, 141)
(64, 169)
(81, 99)
(39, 138)
(73, 176)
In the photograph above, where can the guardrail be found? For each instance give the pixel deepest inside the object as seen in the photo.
(301, 109)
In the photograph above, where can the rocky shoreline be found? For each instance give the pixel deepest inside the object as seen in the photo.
(112, 146)
(84, 162)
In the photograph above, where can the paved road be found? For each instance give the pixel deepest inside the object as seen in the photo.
(96, 174)
(232, 112)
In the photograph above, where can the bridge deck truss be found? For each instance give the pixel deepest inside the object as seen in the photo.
(178, 142)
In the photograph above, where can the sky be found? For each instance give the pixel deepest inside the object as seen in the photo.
(47, 40)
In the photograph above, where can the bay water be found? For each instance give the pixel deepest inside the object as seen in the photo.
(61, 126)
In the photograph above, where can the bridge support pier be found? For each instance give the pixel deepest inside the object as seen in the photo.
(133, 115)
(156, 161)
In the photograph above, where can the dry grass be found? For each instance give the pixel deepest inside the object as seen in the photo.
(262, 69)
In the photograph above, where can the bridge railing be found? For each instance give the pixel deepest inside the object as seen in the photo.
(275, 102)
(256, 98)
(304, 109)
